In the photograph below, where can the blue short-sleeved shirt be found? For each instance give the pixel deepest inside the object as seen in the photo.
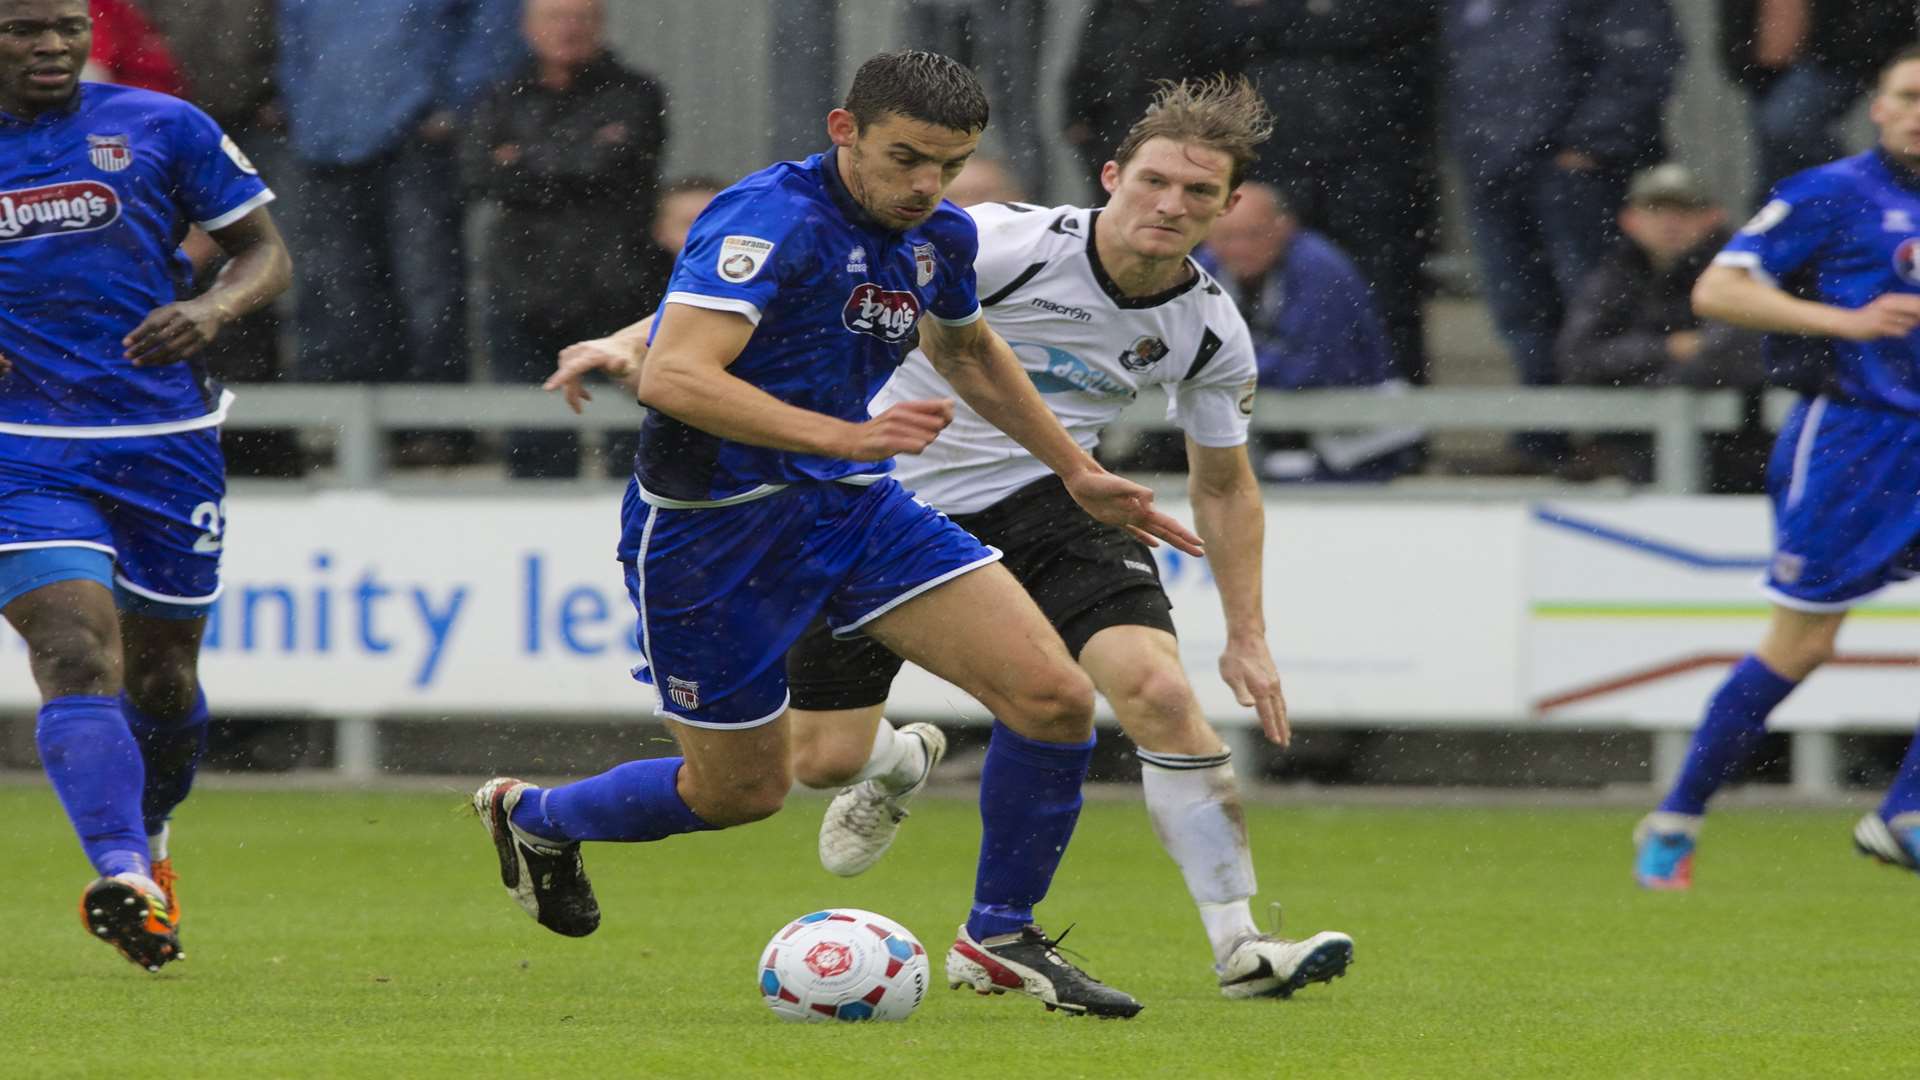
(94, 201)
(1843, 234)
(834, 297)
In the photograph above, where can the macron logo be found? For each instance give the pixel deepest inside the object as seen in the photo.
(1063, 310)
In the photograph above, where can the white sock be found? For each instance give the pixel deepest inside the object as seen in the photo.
(896, 761)
(157, 842)
(1195, 807)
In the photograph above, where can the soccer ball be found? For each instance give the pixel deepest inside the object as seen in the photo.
(843, 964)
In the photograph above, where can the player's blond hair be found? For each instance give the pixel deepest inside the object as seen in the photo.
(1223, 113)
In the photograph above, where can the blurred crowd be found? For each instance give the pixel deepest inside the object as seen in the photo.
(384, 124)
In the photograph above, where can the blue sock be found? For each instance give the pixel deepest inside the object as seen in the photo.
(94, 766)
(634, 802)
(1735, 723)
(172, 752)
(1029, 802)
(1904, 796)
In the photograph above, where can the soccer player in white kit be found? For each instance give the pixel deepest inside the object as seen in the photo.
(1098, 304)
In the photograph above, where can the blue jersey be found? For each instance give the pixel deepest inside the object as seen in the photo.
(834, 297)
(1843, 234)
(94, 200)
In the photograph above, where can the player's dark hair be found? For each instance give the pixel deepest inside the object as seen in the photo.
(1220, 113)
(918, 85)
(1904, 56)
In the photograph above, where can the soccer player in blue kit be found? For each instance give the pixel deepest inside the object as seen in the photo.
(761, 499)
(112, 487)
(1834, 254)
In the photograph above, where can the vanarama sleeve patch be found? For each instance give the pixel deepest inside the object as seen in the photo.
(741, 257)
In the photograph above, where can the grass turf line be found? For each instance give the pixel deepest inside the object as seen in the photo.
(337, 934)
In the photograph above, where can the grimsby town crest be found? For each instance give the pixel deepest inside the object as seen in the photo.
(109, 153)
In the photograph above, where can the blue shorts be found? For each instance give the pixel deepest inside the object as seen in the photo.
(723, 592)
(1845, 484)
(154, 504)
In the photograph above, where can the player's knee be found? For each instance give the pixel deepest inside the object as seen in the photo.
(1057, 707)
(76, 658)
(829, 759)
(1158, 708)
(164, 690)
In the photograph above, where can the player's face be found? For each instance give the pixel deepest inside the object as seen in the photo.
(1896, 111)
(899, 168)
(1167, 197)
(43, 46)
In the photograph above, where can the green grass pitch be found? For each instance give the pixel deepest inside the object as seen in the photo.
(335, 934)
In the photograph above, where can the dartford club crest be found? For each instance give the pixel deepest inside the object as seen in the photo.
(1143, 354)
(923, 263)
(109, 153)
(683, 692)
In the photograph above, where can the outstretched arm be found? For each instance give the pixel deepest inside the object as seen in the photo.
(686, 377)
(984, 372)
(258, 270)
(620, 355)
(1733, 294)
(1228, 512)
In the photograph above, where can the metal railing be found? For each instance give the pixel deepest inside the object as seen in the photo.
(1677, 419)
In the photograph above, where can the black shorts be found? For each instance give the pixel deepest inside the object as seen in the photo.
(1085, 576)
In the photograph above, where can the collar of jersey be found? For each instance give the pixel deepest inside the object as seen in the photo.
(1121, 299)
(850, 206)
(51, 116)
(1895, 171)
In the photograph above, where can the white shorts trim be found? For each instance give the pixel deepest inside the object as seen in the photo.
(665, 503)
(1816, 607)
(238, 212)
(125, 431)
(163, 598)
(1803, 450)
(742, 726)
(715, 303)
(640, 598)
(852, 628)
(37, 545)
(967, 321)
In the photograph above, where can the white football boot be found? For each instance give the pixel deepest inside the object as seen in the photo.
(861, 821)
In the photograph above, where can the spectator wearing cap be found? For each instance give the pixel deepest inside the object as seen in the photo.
(1631, 323)
(1804, 64)
(569, 150)
(1550, 107)
(1314, 325)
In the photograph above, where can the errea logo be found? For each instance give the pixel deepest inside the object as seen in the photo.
(56, 209)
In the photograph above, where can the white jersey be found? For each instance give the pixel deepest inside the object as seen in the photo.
(1088, 348)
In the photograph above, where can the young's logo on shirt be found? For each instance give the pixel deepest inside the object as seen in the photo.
(741, 257)
(57, 209)
(109, 153)
(923, 264)
(1143, 353)
(885, 314)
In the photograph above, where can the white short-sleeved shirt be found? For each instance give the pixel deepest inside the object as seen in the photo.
(1088, 348)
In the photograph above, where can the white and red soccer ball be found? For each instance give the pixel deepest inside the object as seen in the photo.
(843, 964)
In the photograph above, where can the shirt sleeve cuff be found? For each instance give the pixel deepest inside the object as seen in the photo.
(963, 321)
(716, 303)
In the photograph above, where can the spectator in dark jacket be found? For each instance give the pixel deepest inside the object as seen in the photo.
(375, 92)
(1314, 325)
(227, 48)
(570, 151)
(1551, 105)
(1632, 323)
(1124, 47)
(1803, 64)
(1354, 150)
